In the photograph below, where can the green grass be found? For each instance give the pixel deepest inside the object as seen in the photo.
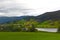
(29, 36)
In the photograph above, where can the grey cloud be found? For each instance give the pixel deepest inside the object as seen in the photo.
(8, 10)
(12, 9)
(5, 0)
(2, 0)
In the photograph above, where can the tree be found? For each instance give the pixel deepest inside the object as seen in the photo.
(30, 25)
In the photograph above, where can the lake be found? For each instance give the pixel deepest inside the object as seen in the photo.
(47, 29)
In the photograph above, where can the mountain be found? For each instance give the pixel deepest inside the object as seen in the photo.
(55, 15)
(9, 19)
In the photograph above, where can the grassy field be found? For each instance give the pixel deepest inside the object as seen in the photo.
(29, 36)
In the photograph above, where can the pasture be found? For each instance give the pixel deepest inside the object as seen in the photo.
(29, 36)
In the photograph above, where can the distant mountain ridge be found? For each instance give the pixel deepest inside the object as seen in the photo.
(9, 19)
(55, 15)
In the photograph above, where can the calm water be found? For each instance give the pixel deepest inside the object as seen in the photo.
(47, 29)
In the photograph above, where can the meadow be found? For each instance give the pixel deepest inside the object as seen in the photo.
(29, 36)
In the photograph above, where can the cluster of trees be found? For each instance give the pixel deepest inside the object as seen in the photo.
(17, 26)
(50, 24)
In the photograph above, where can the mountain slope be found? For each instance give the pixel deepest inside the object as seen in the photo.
(9, 19)
(49, 16)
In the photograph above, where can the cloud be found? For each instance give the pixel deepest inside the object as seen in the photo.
(14, 11)
(27, 7)
(10, 8)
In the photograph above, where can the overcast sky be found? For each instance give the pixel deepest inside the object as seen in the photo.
(27, 7)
